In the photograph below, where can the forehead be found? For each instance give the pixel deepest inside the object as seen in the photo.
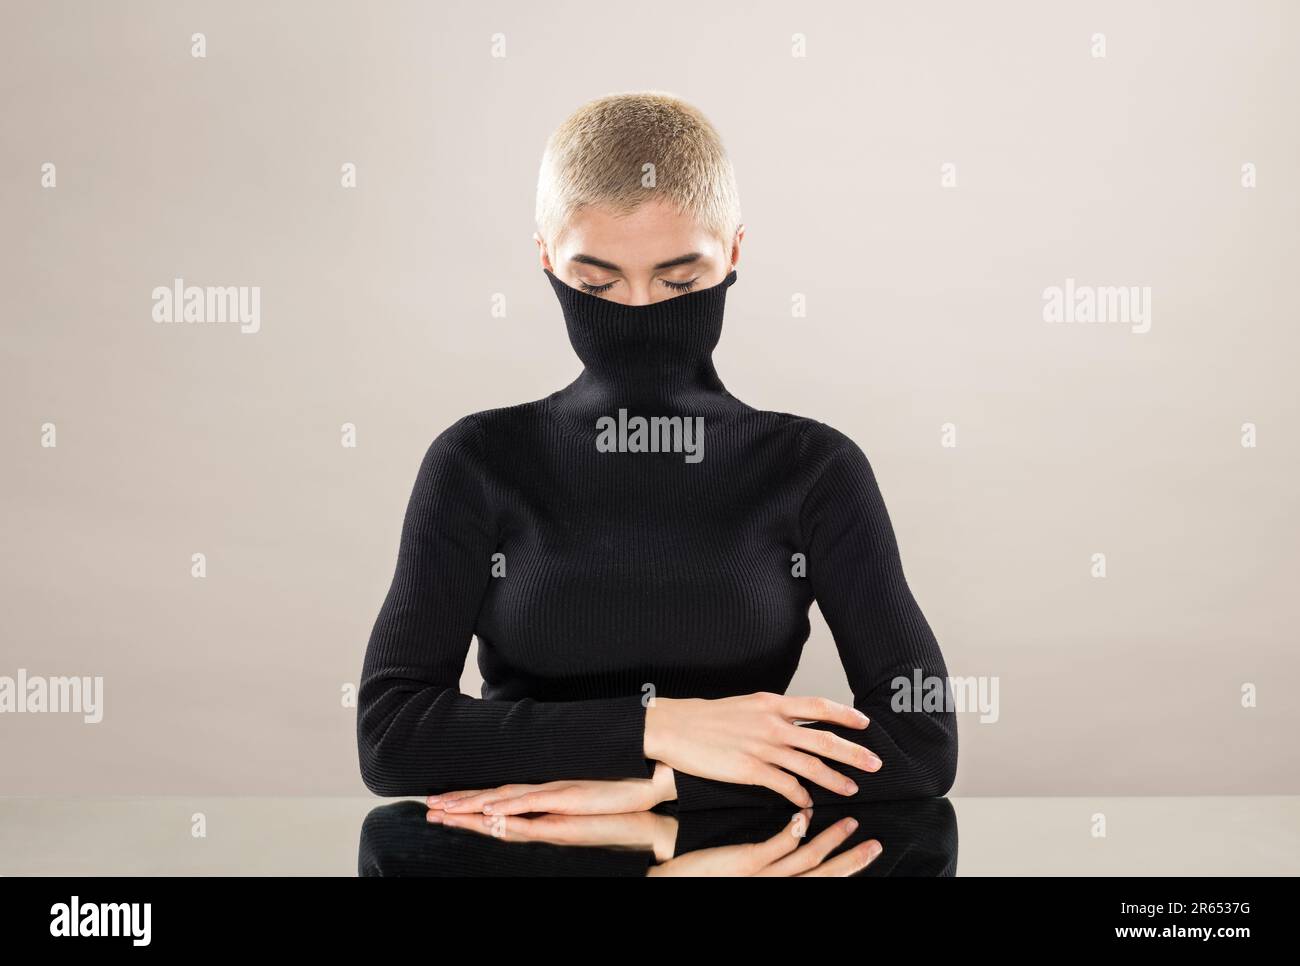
(654, 232)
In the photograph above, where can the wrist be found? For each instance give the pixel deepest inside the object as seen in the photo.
(664, 839)
(663, 784)
(652, 742)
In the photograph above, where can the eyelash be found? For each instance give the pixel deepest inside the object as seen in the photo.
(675, 286)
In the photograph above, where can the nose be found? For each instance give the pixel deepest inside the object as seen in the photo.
(638, 292)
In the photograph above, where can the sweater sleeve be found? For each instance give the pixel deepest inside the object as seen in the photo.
(884, 644)
(416, 733)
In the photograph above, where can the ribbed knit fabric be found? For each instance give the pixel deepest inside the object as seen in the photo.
(592, 579)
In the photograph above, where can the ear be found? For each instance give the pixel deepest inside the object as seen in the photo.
(735, 245)
(543, 255)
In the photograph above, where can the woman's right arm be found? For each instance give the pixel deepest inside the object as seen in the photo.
(416, 733)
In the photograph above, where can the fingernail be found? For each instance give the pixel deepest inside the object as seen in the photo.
(873, 849)
(433, 817)
(487, 809)
(433, 800)
(852, 825)
(873, 763)
(850, 789)
(865, 719)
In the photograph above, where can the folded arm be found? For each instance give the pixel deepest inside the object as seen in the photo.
(884, 643)
(416, 733)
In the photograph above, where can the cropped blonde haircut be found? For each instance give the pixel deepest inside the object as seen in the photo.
(600, 154)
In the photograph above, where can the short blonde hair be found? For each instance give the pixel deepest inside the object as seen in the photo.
(599, 155)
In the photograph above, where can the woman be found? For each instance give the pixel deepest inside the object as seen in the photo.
(637, 552)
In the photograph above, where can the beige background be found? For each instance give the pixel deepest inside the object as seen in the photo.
(924, 308)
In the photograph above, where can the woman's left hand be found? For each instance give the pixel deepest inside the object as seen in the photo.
(646, 831)
(585, 797)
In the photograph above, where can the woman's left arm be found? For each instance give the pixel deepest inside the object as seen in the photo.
(883, 639)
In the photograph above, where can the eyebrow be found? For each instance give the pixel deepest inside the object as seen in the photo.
(671, 263)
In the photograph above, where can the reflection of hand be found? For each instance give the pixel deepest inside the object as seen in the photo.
(585, 797)
(642, 830)
(752, 739)
(781, 855)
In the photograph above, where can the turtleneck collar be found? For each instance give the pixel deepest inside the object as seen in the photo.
(651, 360)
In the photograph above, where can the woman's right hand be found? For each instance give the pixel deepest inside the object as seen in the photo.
(781, 855)
(752, 739)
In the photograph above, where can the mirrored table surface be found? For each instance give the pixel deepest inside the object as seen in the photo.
(284, 836)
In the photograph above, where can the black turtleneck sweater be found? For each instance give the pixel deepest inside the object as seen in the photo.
(596, 579)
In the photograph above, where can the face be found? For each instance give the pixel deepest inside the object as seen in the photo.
(655, 253)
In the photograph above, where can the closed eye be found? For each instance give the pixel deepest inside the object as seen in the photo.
(675, 286)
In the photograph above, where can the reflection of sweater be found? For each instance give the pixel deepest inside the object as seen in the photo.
(592, 578)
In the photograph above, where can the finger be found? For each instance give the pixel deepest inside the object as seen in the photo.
(763, 854)
(512, 829)
(827, 744)
(436, 816)
(515, 829)
(438, 801)
(821, 709)
(814, 769)
(812, 854)
(475, 802)
(783, 783)
(556, 829)
(848, 863)
(593, 830)
(556, 800)
(492, 825)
